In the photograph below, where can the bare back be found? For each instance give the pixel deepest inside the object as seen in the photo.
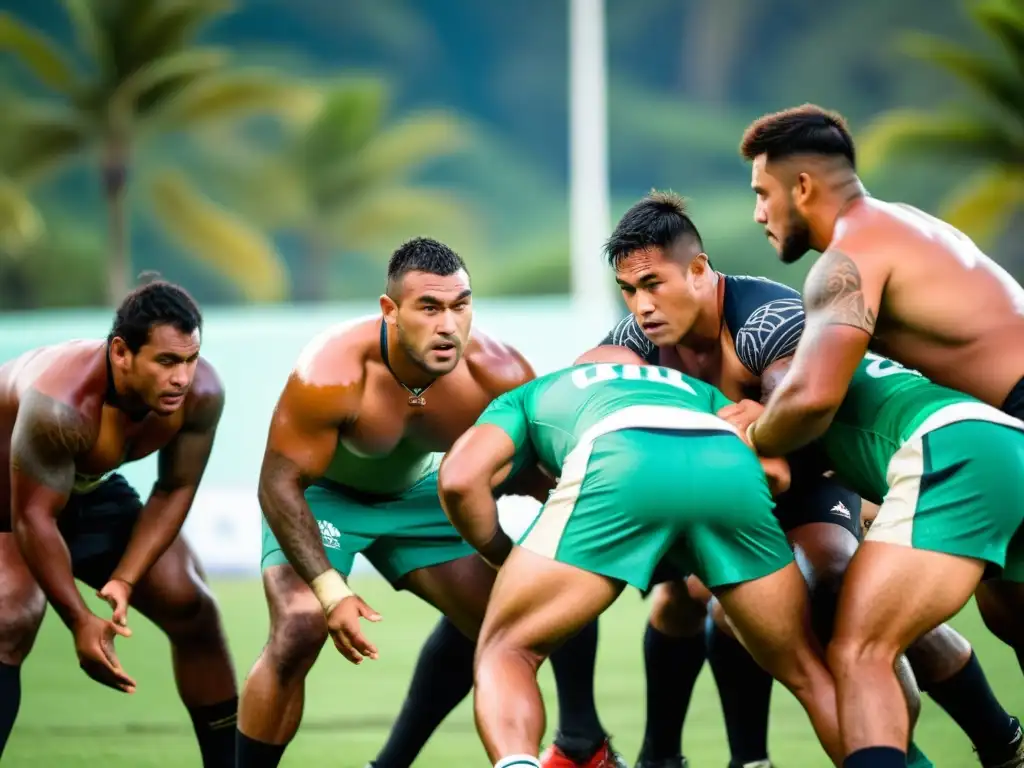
(73, 375)
(379, 443)
(943, 307)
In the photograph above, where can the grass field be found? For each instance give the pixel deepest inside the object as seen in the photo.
(67, 720)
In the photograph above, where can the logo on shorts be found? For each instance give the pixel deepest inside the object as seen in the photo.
(330, 534)
(841, 510)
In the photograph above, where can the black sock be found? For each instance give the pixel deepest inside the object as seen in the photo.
(745, 691)
(443, 677)
(580, 733)
(876, 757)
(672, 665)
(10, 700)
(257, 754)
(215, 730)
(968, 699)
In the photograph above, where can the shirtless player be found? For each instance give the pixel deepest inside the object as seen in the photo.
(350, 467)
(739, 333)
(917, 290)
(70, 415)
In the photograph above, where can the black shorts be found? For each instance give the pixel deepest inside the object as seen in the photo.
(97, 526)
(1014, 403)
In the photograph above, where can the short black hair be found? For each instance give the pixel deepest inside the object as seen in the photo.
(804, 130)
(155, 302)
(657, 221)
(423, 254)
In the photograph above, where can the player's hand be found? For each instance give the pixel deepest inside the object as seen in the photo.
(117, 593)
(343, 624)
(741, 415)
(94, 643)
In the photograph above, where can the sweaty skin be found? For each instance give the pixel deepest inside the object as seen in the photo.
(58, 434)
(914, 289)
(341, 409)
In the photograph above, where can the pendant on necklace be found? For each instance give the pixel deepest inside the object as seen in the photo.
(417, 400)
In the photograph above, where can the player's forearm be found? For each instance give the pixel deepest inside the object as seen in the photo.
(287, 513)
(474, 514)
(49, 561)
(792, 420)
(158, 525)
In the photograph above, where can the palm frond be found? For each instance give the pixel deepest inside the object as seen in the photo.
(88, 33)
(953, 136)
(40, 139)
(393, 155)
(20, 222)
(37, 53)
(988, 77)
(350, 116)
(983, 205)
(218, 239)
(233, 95)
(1004, 21)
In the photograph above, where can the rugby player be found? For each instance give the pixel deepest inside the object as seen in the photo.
(71, 415)
(350, 467)
(914, 288)
(646, 472)
(739, 334)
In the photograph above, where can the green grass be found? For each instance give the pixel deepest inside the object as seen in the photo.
(67, 720)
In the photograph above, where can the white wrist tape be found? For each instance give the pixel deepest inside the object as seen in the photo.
(330, 589)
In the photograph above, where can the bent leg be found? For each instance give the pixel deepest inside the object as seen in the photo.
(22, 605)
(536, 604)
(893, 595)
(1001, 604)
(772, 617)
(273, 695)
(174, 596)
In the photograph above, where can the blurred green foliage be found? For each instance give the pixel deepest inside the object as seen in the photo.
(283, 151)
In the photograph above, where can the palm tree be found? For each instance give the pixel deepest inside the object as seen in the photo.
(344, 181)
(989, 135)
(143, 78)
(20, 222)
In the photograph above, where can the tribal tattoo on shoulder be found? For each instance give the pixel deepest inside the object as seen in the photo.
(47, 436)
(834, 293)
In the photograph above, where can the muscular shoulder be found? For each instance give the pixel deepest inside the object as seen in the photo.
(628, 333)
(771, 332)
(497, 366)
(328, 378)
(205, 401)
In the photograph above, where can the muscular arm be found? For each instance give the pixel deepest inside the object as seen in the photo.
(476, 463)
(180, 467)
(841, 309)
(48, 434)
(302, 440)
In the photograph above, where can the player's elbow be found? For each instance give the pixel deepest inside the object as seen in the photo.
(818, 403)
(456, 481)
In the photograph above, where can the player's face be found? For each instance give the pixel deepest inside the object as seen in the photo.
(775, 210)
(160, 373)
(434, 318)
(660, 292)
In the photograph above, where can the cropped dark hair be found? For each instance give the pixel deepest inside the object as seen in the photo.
(422, 254)
(155, 302)
(803, 130)
(657, 221)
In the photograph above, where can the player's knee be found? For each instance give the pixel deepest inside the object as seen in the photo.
(188, 613)
(938, 655)
(296, 637)
(19, 623)
(502, 647)
(674, 612)
(848, 654)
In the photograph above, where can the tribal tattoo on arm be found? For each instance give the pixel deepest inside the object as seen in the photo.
(834, 294)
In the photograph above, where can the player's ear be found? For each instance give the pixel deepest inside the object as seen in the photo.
(119, 352)
(804, 188)
(699, 266)
(388, 308)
